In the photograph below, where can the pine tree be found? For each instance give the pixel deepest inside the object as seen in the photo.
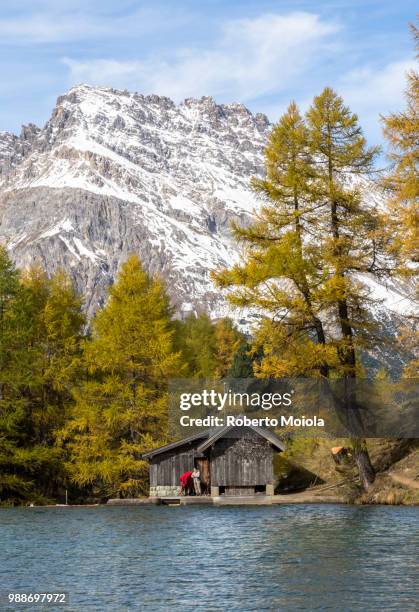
(14, 483)
(56, 366)
(32, 405)
(351, 244)
(282, 274)
(35, 400)
(401, 185)
(207, 348)
(313, 240)
(227, 340)
(9, 293)
(195, 340)
(121, 408)
(402, 182)
(348, 240)
(245, 361)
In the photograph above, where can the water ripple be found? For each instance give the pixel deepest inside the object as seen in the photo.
(208, 559)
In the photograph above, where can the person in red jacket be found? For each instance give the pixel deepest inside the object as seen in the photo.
(186, 483)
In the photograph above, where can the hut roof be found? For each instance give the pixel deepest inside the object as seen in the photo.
(261, 431)
(209, 436)
(162, 449)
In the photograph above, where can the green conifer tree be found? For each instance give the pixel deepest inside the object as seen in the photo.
(15, 483)
(34, 402)
(244, 361)
(227, 340)
(207, 348)
(195, 339)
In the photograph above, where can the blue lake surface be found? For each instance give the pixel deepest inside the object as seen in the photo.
(302, 557)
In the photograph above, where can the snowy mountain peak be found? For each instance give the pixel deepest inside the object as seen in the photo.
(114, 172)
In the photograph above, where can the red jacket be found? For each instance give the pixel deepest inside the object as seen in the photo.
(186, 479)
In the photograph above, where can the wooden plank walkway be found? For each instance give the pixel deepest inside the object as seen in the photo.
(306, 497)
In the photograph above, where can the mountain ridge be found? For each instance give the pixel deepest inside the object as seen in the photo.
(174, 175)
(114, 172)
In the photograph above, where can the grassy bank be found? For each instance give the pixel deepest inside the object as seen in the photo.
(309, 464)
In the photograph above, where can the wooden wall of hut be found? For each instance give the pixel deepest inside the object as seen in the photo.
(244, 460)
(165, 469)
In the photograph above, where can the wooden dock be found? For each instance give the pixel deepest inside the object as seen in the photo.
(306, 497)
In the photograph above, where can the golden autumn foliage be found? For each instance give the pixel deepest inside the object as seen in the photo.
(312, 235)
(121, 407)
(402, 181)
(207, 348)
(312, 238)
(41, 328)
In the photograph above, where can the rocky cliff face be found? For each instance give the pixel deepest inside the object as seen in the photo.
(113, 173)
(14, 148)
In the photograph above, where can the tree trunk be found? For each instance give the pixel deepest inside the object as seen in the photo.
(363, 462)
(305, 290)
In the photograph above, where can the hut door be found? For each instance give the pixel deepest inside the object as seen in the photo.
(204, 468)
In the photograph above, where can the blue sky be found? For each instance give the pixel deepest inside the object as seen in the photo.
(260, 52)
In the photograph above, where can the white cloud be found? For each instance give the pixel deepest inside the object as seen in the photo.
(45, 28)
(55, 23)
(251, 58)
(371, 91)
(370, 88)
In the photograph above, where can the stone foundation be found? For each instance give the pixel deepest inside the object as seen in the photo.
(164, 491)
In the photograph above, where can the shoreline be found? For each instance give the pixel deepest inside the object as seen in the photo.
(275, 500)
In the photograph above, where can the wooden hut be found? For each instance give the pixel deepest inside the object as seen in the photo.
(231, 460)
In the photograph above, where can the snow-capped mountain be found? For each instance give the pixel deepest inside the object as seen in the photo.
(114, 172)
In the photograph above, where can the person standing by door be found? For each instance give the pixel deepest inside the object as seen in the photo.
(196, 477)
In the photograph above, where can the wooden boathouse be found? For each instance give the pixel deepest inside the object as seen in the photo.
(232, 461)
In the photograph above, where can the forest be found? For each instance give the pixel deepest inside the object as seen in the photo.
(81, 401)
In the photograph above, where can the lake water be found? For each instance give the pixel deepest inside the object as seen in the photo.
(302, 557)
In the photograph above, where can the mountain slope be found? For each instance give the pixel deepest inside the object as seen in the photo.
(113, 173)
